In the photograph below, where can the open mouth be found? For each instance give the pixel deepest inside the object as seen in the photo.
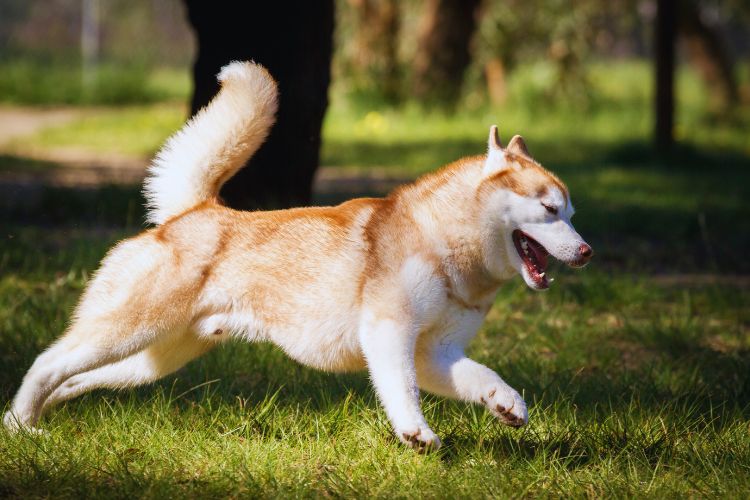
(534, 257)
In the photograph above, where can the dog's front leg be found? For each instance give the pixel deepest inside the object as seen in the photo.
(445, 370)
(388, 346)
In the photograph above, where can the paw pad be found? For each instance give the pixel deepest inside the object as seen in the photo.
(422, 443)
(506, 406)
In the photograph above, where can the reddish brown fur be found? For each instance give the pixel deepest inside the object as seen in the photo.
(529, 179)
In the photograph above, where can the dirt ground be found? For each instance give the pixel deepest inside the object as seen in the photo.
(20, 121)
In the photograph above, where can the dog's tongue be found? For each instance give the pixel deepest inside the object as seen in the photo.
(540, 253)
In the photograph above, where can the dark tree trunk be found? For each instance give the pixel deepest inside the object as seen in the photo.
(664, 52)
(443, 49)
(376, 41)
(294, 41)
(709, 55)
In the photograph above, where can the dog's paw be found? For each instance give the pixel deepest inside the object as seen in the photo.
(13, 424)
(507, 405)
(422, 439)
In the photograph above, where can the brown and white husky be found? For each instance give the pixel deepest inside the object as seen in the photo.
(397, 285)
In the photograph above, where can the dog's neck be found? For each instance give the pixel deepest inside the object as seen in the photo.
(444, 207)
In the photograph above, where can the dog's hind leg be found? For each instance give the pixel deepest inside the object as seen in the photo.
(140, 295)
(81, 349)
(156, 361)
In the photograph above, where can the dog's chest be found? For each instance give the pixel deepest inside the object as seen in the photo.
(457, 321)
(456, 326)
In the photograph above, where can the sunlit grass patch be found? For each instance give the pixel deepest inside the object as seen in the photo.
(415, 139)
(59, 82)
(627, 397)
(132, 131)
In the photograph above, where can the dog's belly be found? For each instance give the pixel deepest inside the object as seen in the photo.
(325, 338)
(328, 341)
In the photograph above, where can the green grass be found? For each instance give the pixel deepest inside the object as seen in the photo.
(636, 388)
(56, 82)
(136, 131)
(413, 139)
(617, 112)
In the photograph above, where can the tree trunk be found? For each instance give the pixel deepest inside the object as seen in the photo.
(293, 40)
(376, 42)
(497, 88)
(443, 49)
(664, 52)
(709, 55)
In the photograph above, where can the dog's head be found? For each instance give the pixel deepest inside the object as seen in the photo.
(526, 214)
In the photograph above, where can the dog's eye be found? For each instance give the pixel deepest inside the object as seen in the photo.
(550, 209)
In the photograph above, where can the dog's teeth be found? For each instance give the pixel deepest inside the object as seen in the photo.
(551, 280)
(542, 275)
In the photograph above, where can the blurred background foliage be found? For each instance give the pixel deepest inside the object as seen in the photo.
(382, 52)
(138, 47)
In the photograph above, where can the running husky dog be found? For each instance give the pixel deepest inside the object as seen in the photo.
(397, 285)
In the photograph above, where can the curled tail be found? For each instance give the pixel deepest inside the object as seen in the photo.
(196, 161)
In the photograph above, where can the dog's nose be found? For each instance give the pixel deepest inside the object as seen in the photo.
(586, 251)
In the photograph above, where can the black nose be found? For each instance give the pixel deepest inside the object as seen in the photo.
(586, 251)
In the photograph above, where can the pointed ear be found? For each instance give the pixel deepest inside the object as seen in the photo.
(494, 140)
(518, 146)
(495, 161)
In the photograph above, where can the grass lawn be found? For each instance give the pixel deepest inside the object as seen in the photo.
(634, 389)
(637, 386)
(55, 82)
(415, 140)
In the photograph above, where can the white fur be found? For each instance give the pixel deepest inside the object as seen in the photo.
(496, 160)
(143, 367)
(214, 144)
(507, 211)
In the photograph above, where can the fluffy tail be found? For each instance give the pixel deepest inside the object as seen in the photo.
(196, 161)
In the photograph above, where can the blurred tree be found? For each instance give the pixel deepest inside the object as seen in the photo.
(13, 11)
(374, 62)
(513, 31)
(504, 27)
(443, 49)
(664, 61)
(294, 41)
(709, 55)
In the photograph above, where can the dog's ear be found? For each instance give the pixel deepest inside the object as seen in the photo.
(495, 161)
(493, 143)
(518, 146)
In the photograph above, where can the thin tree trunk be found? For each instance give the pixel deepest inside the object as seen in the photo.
(666, 22)
(494, 72)
(293, 40)
(376, 39)
(709, 55)
(443, 49)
